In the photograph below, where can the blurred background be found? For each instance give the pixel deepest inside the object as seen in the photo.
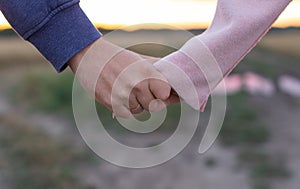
(258, 147)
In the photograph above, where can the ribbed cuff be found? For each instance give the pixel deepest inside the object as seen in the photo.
(64, 35)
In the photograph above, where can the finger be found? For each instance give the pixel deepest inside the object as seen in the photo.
(137, 110)
(134, 105)
(160, 89)
(173, 99)
(122, 111)
(144, 95)
(158, 105)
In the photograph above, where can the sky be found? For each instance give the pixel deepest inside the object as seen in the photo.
(187, 14)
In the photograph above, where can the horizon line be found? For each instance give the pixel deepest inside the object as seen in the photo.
(171, 26)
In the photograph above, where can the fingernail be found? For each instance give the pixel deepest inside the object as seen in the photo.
(156, 105)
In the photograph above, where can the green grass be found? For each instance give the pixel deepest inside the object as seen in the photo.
(210, 162)
(258, 66)
(263, 165)
(45, 92)
(263, 168)
(241, 125)
(34, 160)
(242, 129)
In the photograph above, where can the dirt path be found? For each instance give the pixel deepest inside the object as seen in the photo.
(282, 117)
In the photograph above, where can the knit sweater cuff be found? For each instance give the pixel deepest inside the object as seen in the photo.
(64, 35)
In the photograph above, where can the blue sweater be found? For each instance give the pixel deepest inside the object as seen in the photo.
(57, 28)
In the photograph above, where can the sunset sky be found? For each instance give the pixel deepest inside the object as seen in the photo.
(111, 14)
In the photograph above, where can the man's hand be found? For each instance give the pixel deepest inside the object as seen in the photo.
(101, 64)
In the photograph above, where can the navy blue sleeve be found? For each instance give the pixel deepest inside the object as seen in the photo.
(57, 28)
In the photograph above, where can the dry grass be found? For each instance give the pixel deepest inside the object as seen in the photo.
(287, 43)
(14, 50)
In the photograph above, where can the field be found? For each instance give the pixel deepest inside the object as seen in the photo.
(283, 42)
(40, 146)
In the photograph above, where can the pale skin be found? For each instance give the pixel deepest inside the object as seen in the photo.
(142, 94)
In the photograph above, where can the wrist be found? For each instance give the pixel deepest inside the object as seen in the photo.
(76, 59)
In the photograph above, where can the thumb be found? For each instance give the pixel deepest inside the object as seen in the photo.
(173, 99)
(159, 105)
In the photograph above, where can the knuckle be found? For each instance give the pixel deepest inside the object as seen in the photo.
(123, 96)
(137, 89)
(140, 87)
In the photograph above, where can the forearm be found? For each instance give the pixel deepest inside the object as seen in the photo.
(204, 61)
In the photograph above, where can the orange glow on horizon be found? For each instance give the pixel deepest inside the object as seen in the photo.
(185, 14)
(292, 22)
(4, 26)
(189, 26)
(186, 26)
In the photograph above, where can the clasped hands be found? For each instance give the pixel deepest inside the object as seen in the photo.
(139, 85)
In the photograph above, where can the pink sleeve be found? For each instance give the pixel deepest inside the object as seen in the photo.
(206, 59)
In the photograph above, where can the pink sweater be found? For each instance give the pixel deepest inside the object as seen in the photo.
(196, 69)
